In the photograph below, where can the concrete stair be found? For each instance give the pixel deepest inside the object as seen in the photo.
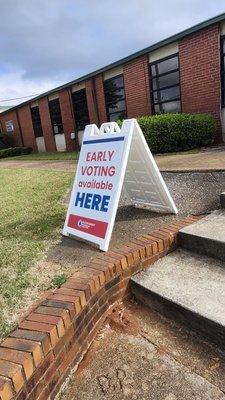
(222, 200)
(189, 284)
(206, 237)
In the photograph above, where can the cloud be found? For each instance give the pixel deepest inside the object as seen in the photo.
(46, 43)
(13, 85)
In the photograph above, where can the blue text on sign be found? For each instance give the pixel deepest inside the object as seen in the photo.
(92, 201)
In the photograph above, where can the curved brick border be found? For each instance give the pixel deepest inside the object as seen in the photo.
(36, 358)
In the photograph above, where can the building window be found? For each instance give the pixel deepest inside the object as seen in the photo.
(36, 120)
(56, 118)
(165, 85)
(115, 98)
(80, 109)
(223, 70)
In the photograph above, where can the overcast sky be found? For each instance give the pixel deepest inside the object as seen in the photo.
(45, 43)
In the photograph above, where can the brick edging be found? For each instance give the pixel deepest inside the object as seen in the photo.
(36, 358)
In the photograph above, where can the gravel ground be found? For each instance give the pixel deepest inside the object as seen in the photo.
(196, 192)
(193, 193)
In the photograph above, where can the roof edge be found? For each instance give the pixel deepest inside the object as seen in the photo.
(161, 43)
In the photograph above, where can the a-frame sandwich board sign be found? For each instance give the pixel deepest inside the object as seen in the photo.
(112, 158)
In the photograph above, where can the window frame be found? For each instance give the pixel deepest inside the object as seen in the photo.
(158, 89)
(107, 104)
(222, 70)
(40, 133)
(80, 123)
(59, 118)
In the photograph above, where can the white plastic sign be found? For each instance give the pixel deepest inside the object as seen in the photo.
(105, 155)
(9, 126)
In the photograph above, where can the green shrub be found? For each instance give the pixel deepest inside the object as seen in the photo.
(5, 141)
(177, 132)
(15, 151)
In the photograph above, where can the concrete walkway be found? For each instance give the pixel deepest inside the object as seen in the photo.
(203, 161)
(139, 355)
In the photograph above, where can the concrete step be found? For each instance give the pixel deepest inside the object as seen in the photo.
(207, 236)
(222, 200)
(189, 288)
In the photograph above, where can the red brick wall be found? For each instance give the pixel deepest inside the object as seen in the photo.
(27, 127)
(46, 124)
(136, 81)
(200, 73)
(67, 118)
(100, 99)
(91, 102)
(200, 91)
(16, 135)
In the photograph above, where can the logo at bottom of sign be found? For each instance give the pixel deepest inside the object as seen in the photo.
(88, 225)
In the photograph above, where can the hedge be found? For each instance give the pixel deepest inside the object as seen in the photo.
(6, 141)
(177, 132)
(15, 151)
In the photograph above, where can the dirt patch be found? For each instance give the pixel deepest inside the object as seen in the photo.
(123, 320)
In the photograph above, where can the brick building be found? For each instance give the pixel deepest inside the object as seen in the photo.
(184, 73)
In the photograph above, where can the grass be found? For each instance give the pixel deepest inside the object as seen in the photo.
(58, 280)
(45, 156)
(32, 215)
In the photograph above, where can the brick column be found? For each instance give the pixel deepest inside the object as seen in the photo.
(200, 74)
(136, 82)
(16, 134)
(46, 124)
(67, 118)
(91, 101)
(100, 99)
(27, 127)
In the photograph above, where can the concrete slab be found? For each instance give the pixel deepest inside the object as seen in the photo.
(188, 287)
(207, 236)
(128, 367)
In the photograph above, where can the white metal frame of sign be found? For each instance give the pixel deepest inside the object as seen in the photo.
(112, 158)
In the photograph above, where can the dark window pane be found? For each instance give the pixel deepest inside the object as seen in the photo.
(114, 95)
(81, 113)
(80, 125)
(119, 106)
(116, 82)
(168, 65)
(56, 118)
(172, 106)
(80, 109)
(116, 116)
(165, 85)
(80, 95)
(115, 98)
(166, 80)
(167, 94)
(36, 120)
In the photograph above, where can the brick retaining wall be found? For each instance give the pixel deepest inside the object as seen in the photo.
(54, 336)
